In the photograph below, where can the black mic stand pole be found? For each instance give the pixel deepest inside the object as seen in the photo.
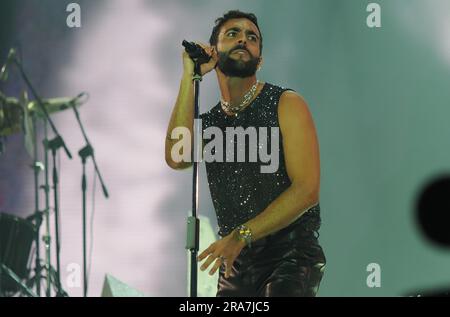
(84, 153)
(53, 145)
(198, 56)
(193, 221)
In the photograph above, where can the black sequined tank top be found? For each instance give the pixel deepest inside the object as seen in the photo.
(239, 190)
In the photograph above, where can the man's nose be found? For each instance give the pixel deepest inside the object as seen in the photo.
(242, 39)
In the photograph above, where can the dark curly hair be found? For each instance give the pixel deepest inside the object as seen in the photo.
(233, 14)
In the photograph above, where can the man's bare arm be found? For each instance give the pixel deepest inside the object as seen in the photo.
(301, 151)
(182, 116)
(183, 111)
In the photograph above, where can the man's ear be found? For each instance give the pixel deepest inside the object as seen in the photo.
(215, 54)
(260, 63)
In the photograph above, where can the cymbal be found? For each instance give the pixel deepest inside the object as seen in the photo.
(14, 119)
(52, 105)
(15, 114)
(11, 115)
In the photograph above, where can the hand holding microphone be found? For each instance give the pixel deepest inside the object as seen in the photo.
(206, 55)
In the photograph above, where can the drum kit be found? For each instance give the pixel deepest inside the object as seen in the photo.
(19, 236)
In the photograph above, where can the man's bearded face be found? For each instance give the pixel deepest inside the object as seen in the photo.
(238, 62)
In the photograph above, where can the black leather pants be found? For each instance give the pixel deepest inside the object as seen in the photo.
(289, 263)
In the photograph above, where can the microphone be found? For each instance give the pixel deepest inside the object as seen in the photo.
(196, 52)
(4, 71)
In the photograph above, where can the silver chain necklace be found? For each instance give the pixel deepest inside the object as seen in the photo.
(227, 107)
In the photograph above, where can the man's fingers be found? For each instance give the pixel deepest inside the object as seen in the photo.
(227, 269)
(205, 253)
(202, 255)
(207, 48)
(216, 266)
(208, 262)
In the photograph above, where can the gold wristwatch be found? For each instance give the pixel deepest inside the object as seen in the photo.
(244, 234)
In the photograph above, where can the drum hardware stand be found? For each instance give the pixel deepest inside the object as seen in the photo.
(86, 152)
(37, 168)
(46, 238)
(50, 277)
(16, 279)
(46, 213)
(54, 144)
(37, 218)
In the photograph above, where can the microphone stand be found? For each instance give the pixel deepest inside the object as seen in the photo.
(53, 145)
(193, 223)
(198, 55)
(86, 152)
(46, 237)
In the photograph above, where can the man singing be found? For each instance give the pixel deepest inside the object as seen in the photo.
(268, 219)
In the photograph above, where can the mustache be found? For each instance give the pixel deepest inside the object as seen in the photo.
(240, 47)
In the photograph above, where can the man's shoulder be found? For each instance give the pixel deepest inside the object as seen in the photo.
(291, 101)
(280, 93)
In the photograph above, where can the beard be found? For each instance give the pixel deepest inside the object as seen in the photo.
(237, 68)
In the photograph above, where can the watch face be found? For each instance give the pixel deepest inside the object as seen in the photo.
(245, 232)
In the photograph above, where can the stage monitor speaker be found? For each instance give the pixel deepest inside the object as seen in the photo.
(112, 287)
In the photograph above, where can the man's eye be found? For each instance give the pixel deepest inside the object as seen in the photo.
(231, 33)
(252, 38)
